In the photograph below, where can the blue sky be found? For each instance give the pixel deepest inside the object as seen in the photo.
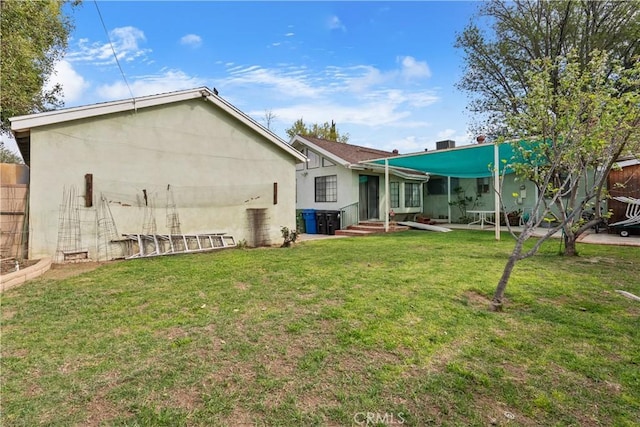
(383, 71)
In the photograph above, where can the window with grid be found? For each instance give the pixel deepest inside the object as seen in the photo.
(411, 195)
(327, 188)
(394, 194)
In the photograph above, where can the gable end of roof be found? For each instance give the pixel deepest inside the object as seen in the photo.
(22, 125)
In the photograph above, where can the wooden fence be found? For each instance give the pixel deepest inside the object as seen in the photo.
(14, 189)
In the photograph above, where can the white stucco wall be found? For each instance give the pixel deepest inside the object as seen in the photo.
(347, 194)
(216, 168)
(348, 187)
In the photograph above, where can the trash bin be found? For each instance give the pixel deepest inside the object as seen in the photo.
(309, 216)
(333, 221)
(321, 222)
(299, 221)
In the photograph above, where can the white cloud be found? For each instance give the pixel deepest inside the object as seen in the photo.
(446, 134)
(73, 84)
(374, 104)
(191, 40)
(365, 78)
(369, 115)
(125, 41)
(371, 77)
(290, 34)
(422, 99)
(334, 23)
(412, 69)
(168, 81)
(292, 84)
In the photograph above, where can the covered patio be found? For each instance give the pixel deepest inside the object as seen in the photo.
(480, 160)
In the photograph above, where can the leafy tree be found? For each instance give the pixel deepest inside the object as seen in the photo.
(577, 119)
(8, 156)
(525, 30)
(324, 131)
(34, 36)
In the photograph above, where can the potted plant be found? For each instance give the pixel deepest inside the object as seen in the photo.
(514, 217)
(289, 236)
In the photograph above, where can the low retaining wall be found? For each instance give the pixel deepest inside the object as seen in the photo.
(17, 278)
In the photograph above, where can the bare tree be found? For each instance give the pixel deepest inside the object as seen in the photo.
(269, 117)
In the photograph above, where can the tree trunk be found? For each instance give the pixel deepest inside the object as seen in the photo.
(498, 296)
(570, 243)
(570, 246)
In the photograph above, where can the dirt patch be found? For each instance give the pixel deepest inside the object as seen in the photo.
(7, 314)
(241, 286)
(100, 409)
(185, 398)
(64, 271)
(476, 300)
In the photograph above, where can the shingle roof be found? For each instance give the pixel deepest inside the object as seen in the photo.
(349, 152)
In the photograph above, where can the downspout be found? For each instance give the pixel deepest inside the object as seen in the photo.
(386, 195)
(496, 187)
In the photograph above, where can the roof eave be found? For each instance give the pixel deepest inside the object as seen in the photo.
(418, 176)
(27, 122)
(24, 124)
(320, 150)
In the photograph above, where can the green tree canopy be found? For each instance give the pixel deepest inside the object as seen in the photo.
(324, 131)
(522, 31)
(8, 156)
(581, 121)
(34, 37)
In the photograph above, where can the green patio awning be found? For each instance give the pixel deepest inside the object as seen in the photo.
(472, 161)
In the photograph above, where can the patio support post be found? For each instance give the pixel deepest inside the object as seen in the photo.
(386, 195)
(449, 199)
(496, 187)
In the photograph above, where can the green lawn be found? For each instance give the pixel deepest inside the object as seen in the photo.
(393, 329)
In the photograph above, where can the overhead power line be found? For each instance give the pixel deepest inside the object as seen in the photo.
(114, 52)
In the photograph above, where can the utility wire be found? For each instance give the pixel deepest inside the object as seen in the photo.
(114, 52)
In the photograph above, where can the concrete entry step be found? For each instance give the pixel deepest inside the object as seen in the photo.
(370, 227)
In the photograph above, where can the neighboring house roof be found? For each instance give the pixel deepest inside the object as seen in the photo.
(627, 162)
(349, 155)
(22, 125)
(345, 153)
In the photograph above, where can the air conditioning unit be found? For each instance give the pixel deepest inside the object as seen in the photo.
(443, 145)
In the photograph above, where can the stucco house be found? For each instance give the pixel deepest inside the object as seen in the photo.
(334, 179)
(175, 163)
